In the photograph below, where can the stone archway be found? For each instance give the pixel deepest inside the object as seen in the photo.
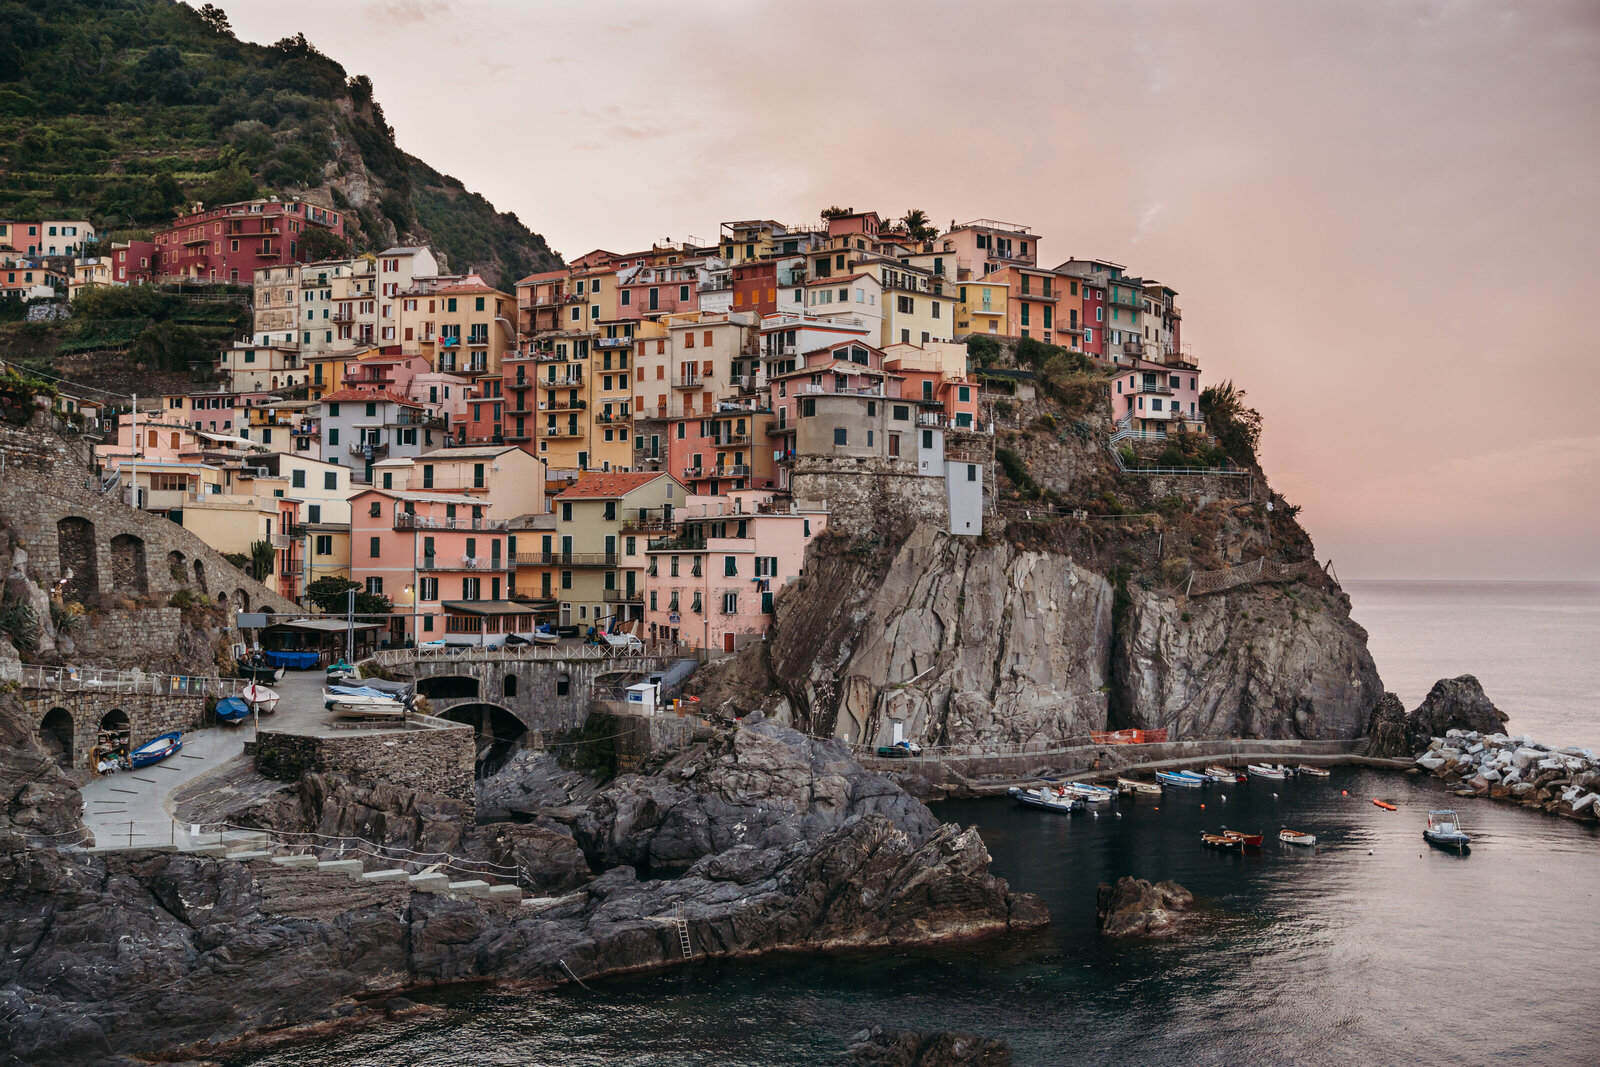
(447, 687)
(177, 566)
(128, 574)
(55, 734)
(200, 576)
(498, 731)
(75, 547)
(508, 686)
(241, 602)
(222, 600)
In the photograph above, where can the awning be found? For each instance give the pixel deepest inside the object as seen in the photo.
(330, 625)
(489, 607)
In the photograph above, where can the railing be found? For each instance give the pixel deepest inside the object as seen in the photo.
(406, 521)
(563, 405)
(1262, 570)
(623, 596)
(558, 431)
(732, 440)
(90, 679)
(566, 559)
(613, 342)
(397, 657)
(692, 381)
(1148, 387)
(465, 563)
(566, 381)
(737, 470)
(675, 544)
(364, 448)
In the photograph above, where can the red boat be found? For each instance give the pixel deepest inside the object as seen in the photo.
(1384, 804)
(1247, 840)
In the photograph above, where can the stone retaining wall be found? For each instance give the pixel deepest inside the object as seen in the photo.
(149, 715)
(431, 759)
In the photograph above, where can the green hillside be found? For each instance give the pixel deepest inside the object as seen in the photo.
(129, 109)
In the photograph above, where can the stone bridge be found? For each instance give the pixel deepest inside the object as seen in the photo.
(506, 692)
(92, 544)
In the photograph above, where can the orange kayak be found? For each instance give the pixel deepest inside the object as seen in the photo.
(1385, 805)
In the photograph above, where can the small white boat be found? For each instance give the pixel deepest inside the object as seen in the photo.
(1134, 786)
(1267, 770)
(1295, 837)
(1444, 831)
(351, 702)
(1090, 794)
(266, 700)
(1047, 797)
(539, 637)
(1221, 774)
(1314, 772)
(1180, 779)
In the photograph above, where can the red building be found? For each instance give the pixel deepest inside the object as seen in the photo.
(230, 242)
(755, 286)
(1094, 317)
(133, 263)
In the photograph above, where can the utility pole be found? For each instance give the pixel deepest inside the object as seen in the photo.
(350, 629)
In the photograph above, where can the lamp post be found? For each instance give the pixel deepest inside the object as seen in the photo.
(350, 629)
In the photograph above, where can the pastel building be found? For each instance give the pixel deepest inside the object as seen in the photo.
(359, 427)
(230, 242)
(715, 571)
(1151, 396)
(983, 246)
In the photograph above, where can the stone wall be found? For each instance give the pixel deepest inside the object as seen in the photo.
(50, 498)
(436, 758)
(149, 715)
(537, 699)
(869, 495)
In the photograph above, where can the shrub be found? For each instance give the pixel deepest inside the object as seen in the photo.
(1017, 472)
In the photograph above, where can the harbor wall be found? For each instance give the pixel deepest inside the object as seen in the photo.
(430, 756)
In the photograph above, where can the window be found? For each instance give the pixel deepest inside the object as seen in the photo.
(471, 588)
(330, 480)
(906, 306)
(566, 579)
(730, 566)
(375, 586)
(375, 547)
(324, 544)
(298, 479)
(313, 513)
(894, 445)
(479, 305)
(841, 436)
(428, 589)
(972, 472)
(964, 393)
(730, 603)
(902, 413)
(376, 509)
(927, 438)
(566, 511)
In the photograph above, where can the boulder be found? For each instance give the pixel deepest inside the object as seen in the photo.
(905, 1048)
(1454, 704)
(1135, 907)
(1390, 736)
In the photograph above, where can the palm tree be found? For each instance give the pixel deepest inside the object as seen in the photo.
(1236, 427)
(915, 223)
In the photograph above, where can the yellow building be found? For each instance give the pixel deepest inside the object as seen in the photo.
(86, 272)
(981, 307)
(474, 327)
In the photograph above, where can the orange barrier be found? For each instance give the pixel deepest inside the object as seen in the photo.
(1129, 737)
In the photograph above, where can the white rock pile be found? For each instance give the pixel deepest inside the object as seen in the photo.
(1564, 781)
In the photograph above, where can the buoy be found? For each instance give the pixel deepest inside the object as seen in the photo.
(1346, 792)
(1202, 807)
(1158, 808)
(1224, 800)
(1369, 852)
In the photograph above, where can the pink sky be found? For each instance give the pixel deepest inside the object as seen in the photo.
(1381, 217)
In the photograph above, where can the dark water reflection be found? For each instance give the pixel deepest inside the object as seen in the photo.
(1404, 955)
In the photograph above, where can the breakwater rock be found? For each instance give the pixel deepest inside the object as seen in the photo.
(909, 1048)
(1562, 781)
(1134, 907)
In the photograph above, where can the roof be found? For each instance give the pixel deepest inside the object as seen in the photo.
(608, 485)
(841, 278)
(466, 287)
(326, 626)
(545, 276)
(466, 452)
(367, 396)
(463, 499)
(400, 250)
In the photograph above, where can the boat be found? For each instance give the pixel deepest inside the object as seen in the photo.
(256, 668)
(1267, 770)
(1222, 774)
(341, 669)
(1134, 786)
(1180, 779)
(1221, 841)
(265, 700)
(1315, 772)
(1047, 798)
(1295, 837)
(1444, 831)
(349, 701)
(1384, 804)
(232, 710)
(1247, 840)
(156, 749)
(899, 750)
(1090, 794)
(542, 637)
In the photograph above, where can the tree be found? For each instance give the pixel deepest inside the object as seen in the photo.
(835, 212)
(916, 224)
(332, 595)
(1236, 427)
(217, 19)
(317, 244)
(262, 555)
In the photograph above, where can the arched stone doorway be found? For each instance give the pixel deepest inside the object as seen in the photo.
(55, 734)
(498, 731)
(508, 687)
(200, 576)
(447, 687)
(128, 574)
(75, 547)
(177, 566)
(241, 602)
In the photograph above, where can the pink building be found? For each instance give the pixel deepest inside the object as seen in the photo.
(985, 245)
(712, 584)
(1153, 395)
(385, 373)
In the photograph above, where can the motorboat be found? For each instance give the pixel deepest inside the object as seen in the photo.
(1384, 804)
(1222, 774)
(1444, 831)
(156, 749)
(1266, 770)
(363, 701)
(1180, 779)
(265, 700)
(1049, 798)
(256, 668)
(1247, 840)
(1314, 772)
(1295, 837)
(232, 710)
(1133, 786)
(1090, 794)
(544, 637)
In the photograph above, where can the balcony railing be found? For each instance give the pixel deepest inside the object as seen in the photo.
(566, 381)
(562, 431)
(566, 559)
(1161, 389)
(676, 544)
(623, 596)
(407, 521)
(563, 405)
(368, 448)
(613, 342)
(477, 564)
(732, 440)
(692, 381)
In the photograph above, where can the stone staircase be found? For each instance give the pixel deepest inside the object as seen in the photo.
(250, 845)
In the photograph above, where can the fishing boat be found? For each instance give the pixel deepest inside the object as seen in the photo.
(1384, 804)
(1222, 774)
(1180, 779)
(1266, 770)
(351, 701)
(339, 669)
(156, 749)
(1132, 786)
(265, 700)
(1295, 837)
(1247, 840)
(1444, 831)
(1220, 841)
(256, 668)
(1046, 797)
(232, 710)
(1090, 794)
(1315, 772)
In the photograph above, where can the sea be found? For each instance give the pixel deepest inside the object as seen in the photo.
(1372, 948)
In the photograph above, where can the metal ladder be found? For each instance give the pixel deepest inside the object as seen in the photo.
(683, 937)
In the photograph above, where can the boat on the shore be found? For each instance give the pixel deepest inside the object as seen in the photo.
(1247, 840)
(1295, 837)
(1133, 787)
(1444, 831)
(155, 750)
(362, 702)
(1384, 804)
(256, 668)
(1219, 773)
(1315, 772)
(266, 700)
(1277, 772)
(1180, 779)
(1047, 798)
(1090, 794)
(232, 710)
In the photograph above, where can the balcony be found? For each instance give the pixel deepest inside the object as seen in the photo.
(692, 381)
(307, 431)
(379, 381)
(573, 379)
(566, 559)
(406, 521)
(732, 440)
(778, 429)
(475, 564)
(554, 432)
(676, 544)
(1157, 390)
(613, 342)
(737, 470)
(649, 524)
(563, 405)
(517, 436)
(368, 448)
(521, 383)
(623, 596)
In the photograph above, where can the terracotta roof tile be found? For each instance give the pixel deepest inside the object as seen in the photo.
(368, 396)
(607, 485)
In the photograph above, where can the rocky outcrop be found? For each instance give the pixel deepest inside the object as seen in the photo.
(176, 953)
(37, 797)
(1135, 907)
(907, 1048)
(1388, 730)
(1562, 781)
(959, 640)
(1453, 704)
(1256, 662)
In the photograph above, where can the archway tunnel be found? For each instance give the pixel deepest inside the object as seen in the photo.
(447, 687)
(499, 733)
(55, 733)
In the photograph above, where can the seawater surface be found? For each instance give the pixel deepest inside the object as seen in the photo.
(1374, 949)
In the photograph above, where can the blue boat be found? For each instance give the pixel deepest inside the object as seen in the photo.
(1444, 831)
(1180, 779)
(232, 710)
(156, 749)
